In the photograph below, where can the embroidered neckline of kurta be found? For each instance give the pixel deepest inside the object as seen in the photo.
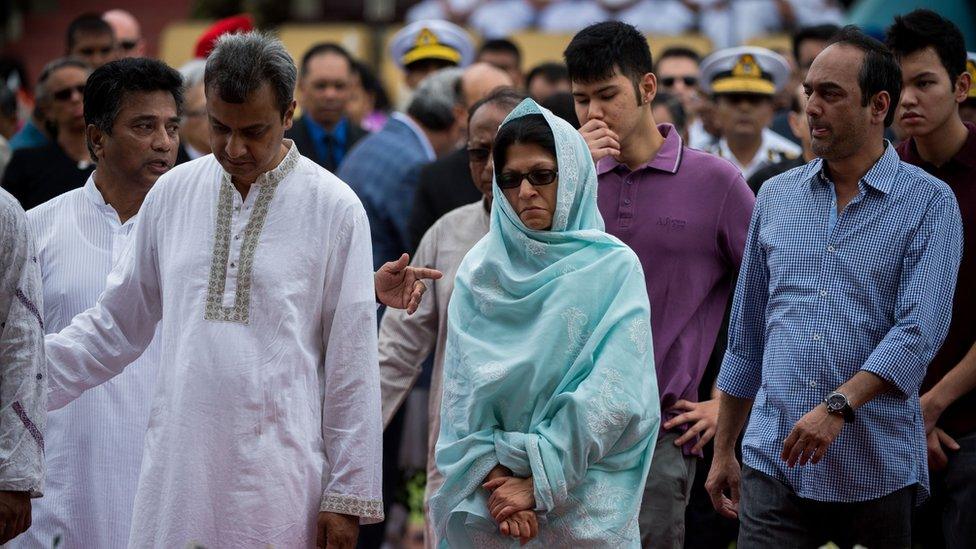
(267, 183)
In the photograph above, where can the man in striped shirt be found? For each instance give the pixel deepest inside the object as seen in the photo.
(843, 298)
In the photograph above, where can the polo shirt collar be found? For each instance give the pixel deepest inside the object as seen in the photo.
(667, 159)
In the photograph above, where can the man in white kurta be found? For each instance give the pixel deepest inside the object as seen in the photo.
(268, 408)
(267, 411)
(94, 448)
(22, 372)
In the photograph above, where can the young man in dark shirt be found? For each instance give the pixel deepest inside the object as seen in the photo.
(932, 55)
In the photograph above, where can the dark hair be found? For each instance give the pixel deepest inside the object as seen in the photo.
(86, 23)
(879, 70)
(503, 97)
(551, 72)
(371, 84)
(924, 28)
(822, 33)
(674, 106)
(677, 51)
(109, 84)
(240, 63)
(595, 51)
(562, 105)
(529, 129)
(321, 49)
(502, 45)
(433, 102)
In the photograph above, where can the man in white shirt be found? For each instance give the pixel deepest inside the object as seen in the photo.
(264, 427)
(21, 372)
(94, 449)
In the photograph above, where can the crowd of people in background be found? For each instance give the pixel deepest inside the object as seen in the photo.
(622, 300)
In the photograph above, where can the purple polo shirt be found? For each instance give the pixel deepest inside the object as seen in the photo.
(686, 215)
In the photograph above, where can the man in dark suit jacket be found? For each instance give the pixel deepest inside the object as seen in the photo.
(323, 133)
(443, 186)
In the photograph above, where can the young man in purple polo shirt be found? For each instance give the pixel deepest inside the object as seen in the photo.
(932, 55)
(686, 214)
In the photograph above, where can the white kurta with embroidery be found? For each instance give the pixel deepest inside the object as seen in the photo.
(21, 355)
(268, 409)
(94, 444)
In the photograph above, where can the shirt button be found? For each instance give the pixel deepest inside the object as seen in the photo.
(627, 201)
(237, 208)
(830, 248)
(813, 384)
(237, 237)
(629, 182)
(232, 265)
(816, 337)
(823, 293)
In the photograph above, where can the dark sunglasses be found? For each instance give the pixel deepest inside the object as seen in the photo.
(511, 180)
(65, 94)
(128, 45)
(669, 81)
(88, 52)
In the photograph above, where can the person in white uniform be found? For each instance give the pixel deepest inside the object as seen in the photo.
(742, 82)
(22, 372)
(264, 427)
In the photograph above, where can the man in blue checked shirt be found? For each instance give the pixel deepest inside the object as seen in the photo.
(844, 296)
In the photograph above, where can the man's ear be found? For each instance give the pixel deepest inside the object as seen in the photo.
(881, 104)
(96, 140)
(289, 116)
(648, 88)
(963, 83)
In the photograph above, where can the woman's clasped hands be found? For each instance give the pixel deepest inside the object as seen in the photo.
(511, 504)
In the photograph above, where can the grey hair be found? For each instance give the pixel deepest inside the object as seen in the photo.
(41, 92)
(192, 72)
(240, 63)
(433, 102)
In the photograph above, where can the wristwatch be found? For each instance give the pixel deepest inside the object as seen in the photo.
(838, 404)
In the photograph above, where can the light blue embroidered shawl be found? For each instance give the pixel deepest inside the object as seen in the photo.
(549, 371)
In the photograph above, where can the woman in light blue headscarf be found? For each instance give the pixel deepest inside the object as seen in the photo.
(550, 407)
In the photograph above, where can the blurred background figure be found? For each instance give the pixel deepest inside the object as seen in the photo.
(489, 18)
(445, 184)
(369, 104)
(547, 79)
(38, 174)
(92, 40)
(678, 74)
(743, 82)
(195, 127)
(323, 132)
(424, 47)
(505, 55)
(668, 109)
(8, 125)
(229, 25)
(128, 34)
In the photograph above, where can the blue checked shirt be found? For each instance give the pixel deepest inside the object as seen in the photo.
(814, 305)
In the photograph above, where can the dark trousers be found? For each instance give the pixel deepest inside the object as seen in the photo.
(772, 515)
(947, 519)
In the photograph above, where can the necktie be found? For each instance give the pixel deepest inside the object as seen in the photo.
(329, 162)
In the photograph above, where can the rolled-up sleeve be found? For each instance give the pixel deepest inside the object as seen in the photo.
(22, 367)
(923, 308)
(352, 426)
(741, 372)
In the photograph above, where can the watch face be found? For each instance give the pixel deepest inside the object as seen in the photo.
(836, 402)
